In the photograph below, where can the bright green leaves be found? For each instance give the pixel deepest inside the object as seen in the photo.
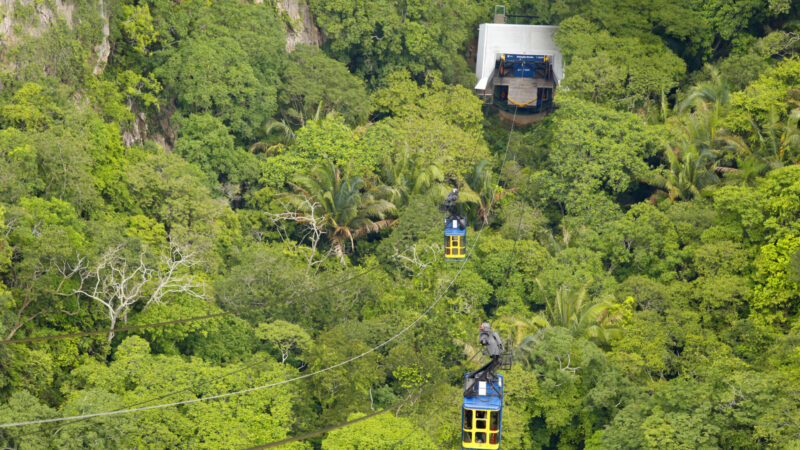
(18, 172)
(284, 336)
(442, 123)
(780, 191)
(403, 98)
(769, 94)
(212, 74)
(315, 84)
(135, 375)
(24, 406)
(204, 140)
(330, 139)
(766, 213)
(777, 293)
(619, 71)
(31, 108)
(383, 431)
(138, 27)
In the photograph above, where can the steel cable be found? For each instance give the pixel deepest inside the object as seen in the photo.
(308, 375)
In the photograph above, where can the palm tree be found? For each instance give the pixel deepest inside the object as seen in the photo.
(707, 104)
(712, 94)
(575, 311)
(406, 175)
(267, 131)
(778, 142)
(481, 190)
(570, 309)
(348, 211)
(690, 171)
(518, 328)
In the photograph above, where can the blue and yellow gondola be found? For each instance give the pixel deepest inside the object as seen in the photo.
(482, 416)
(455, 239)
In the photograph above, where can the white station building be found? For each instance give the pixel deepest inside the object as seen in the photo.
(518, 66)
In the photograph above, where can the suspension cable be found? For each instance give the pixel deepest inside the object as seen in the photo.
(225, 375)
(308, 375)
(351, 422)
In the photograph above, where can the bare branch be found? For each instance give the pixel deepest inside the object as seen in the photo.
(118, 284)
(313, 226)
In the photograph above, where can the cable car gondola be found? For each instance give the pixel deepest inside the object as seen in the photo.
(482, 409)
(455, 239)
(455, 230)
(481, 416)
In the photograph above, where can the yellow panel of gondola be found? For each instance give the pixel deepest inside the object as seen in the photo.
(480, 430)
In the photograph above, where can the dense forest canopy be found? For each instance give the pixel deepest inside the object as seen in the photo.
(164, 159)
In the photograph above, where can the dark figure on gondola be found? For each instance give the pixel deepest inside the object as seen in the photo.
(455, 229)
(491, 340)
(482, 410)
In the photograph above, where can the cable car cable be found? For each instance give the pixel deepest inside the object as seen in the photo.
(300, 377)
(331, 428)
(351, 422)
(252, 389)
(475, 243)
(168, 322)
(219, 377)
(168, 394)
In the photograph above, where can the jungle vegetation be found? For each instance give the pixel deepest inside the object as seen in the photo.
(640, 246)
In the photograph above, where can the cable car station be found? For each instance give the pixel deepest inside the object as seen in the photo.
(518, 66)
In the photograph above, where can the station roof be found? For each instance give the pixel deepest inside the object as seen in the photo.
(495, 39)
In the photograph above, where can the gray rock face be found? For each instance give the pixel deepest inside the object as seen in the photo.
(15, 25)
(302, 29)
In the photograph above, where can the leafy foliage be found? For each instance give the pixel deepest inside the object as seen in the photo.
(640, 246)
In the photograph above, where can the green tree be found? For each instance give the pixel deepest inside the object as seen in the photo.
(383, 431)
(375, 38)
(212, 74)
(284, 336)
(24, 406)
(592, 153)
(204, 140)
(136, 375)
(312, 80)
(331, 139)
(440, 122)
(29, 109)
(776, 292)
(349, 212)
(620, 71)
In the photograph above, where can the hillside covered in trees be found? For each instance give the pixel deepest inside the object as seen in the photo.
(163, 160)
